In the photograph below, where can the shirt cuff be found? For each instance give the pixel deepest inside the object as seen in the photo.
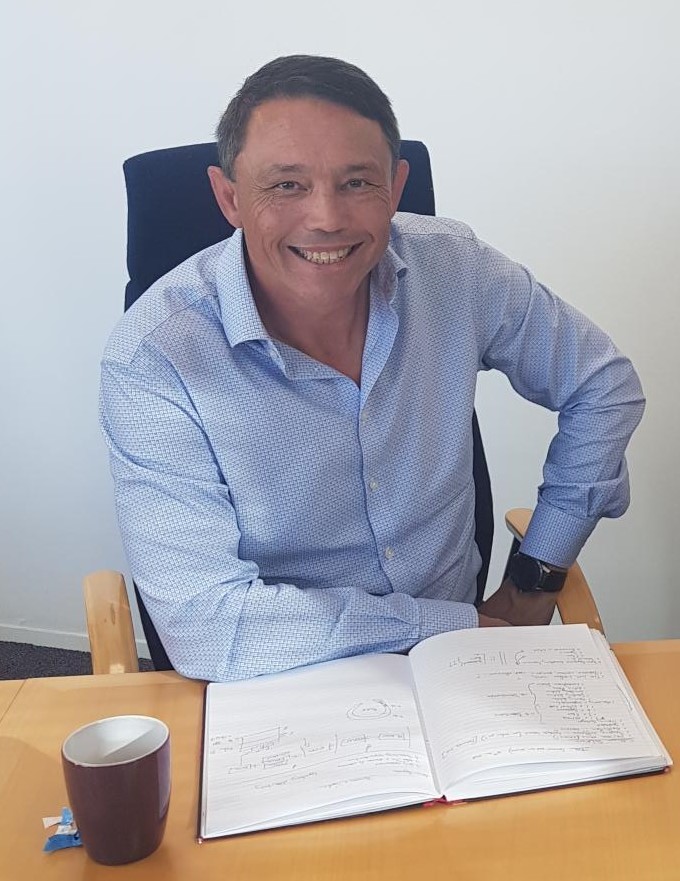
(556, 537)
(440, 616)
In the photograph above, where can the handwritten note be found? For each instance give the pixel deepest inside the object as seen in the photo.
(321, 739)
(549, 699)
(467, 714)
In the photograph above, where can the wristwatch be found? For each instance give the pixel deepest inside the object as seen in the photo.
(529, 574)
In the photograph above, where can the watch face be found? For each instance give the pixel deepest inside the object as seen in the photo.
(525, 572)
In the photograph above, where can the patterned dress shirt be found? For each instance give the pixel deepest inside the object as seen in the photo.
(274, 514)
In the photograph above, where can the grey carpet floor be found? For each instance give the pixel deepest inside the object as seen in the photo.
(19, 660)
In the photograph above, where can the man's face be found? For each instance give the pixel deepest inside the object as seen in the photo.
(314, 193)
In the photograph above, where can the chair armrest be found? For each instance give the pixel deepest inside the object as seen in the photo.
(575, 602)
(109, 623)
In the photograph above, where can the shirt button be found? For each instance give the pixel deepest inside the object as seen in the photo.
(364, 417)
(389, 553)
(373, 484)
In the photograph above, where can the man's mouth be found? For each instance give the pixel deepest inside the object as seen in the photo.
(329, 256)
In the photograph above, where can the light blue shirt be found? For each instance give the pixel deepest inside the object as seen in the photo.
(274, 514)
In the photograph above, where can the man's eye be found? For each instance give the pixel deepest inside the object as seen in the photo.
(286, 185)
(356, 183)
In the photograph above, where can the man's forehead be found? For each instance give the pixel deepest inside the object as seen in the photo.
(301, 168)
(284, 131)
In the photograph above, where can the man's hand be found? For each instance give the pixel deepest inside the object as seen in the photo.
(516, 607)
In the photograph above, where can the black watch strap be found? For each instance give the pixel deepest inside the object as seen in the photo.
(529, 574)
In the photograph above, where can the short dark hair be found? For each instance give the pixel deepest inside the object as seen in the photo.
(304, 76)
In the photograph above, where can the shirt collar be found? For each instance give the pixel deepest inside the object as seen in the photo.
(240, 318)
(387, 273)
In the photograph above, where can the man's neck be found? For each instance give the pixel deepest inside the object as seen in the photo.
(332, 332)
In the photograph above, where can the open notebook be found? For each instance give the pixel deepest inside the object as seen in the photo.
(466, 714)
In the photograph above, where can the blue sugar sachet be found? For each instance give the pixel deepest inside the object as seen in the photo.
(67, 834)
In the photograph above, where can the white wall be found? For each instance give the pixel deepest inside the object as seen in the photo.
(553, 129)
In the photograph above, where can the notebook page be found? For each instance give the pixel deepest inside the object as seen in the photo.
(612, 660)
(293, 743)
(495, 697)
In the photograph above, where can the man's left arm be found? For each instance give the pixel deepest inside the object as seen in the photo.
(555, 356)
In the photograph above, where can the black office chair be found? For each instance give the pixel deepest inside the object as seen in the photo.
(172, 214)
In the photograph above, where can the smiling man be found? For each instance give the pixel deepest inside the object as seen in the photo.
(288, 412)
(314, 188)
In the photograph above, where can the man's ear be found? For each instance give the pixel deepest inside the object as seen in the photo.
(225, 194)
(399, 182)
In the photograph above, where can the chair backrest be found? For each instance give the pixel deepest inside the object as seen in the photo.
(172, 214)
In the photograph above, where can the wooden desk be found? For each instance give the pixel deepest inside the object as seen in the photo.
(625, 829)
(9, 689)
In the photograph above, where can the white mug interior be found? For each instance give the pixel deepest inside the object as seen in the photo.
(115, 740)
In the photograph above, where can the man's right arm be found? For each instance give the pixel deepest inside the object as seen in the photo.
(216, 617)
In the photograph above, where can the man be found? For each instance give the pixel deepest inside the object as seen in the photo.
(288, 412)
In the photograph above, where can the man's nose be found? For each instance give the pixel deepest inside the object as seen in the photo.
(326, 210)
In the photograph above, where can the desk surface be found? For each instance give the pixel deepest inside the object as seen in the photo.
(623, 829)
(9, 688)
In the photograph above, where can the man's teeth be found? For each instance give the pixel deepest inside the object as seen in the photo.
(324, 256)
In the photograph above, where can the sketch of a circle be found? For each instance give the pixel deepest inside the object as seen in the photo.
(371, 709)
